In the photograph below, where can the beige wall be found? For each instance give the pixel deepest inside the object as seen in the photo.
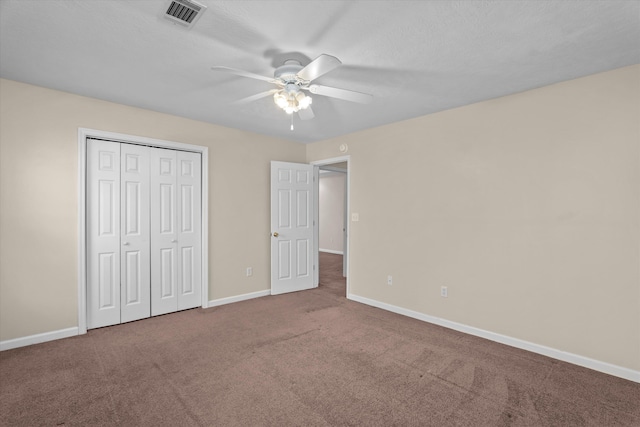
(527, 207)
(331, 211)
(38, 200)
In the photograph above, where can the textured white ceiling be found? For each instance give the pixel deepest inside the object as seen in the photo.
(414, 57)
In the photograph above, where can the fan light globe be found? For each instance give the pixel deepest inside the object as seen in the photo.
(305, 102)
(280, 100)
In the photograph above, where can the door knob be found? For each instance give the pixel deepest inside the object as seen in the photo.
(275, 234)
(125, 244)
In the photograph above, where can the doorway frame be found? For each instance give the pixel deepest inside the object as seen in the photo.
(83, 135)
(316, 215)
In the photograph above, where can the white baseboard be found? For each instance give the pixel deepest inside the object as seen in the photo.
(237, 298)
(575, 359)
(329, 251)
(70, 332)
(38, 338)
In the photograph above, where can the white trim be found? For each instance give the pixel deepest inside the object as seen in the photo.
(83, 134)
(82, 235)
(575, 359)
(330, 251)
(38, 338)
(324, 173)
(340, 159)
(332, 170)
(205, 226)
(316, 226)
(238, 298)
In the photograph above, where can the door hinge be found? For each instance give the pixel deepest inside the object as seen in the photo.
(314, 268)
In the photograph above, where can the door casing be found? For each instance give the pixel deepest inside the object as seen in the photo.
(83, 134)
(316, 215)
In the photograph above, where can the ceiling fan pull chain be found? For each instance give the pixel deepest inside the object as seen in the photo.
(291, 121)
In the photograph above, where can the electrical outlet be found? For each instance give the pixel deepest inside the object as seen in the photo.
(444, 292)
(389, 280)
(249, 271)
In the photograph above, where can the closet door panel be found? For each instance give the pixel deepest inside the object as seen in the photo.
(135, 252)
(164, 224)
(189, 229)
(103, 233)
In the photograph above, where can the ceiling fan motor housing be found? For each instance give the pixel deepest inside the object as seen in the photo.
(288, 71)
(291, 88)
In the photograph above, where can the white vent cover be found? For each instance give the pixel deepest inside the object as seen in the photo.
(184, 12)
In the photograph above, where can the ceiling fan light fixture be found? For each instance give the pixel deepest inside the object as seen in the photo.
(291, 100)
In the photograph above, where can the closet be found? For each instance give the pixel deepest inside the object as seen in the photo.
(143, 231)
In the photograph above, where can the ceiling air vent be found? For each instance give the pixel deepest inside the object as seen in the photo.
(184, 12)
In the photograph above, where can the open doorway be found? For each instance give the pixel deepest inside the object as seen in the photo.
(333, 225)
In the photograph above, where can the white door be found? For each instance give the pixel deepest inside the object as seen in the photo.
(164, 233)
(292, 207)
(103, 233)
(176, 247)
(189, 229)
(135, 284)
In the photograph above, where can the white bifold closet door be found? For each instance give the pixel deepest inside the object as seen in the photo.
(143, 232)
(103, 233)
(175, 231)
(135, 280)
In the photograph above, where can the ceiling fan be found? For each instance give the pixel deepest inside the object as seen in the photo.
(292, 80)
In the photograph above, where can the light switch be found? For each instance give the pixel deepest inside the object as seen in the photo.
(355, 217)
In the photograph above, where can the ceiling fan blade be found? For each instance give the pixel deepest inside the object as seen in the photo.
(306, 114)
(243, 73)
(255, 97)
(347, 95)
(319, 66)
